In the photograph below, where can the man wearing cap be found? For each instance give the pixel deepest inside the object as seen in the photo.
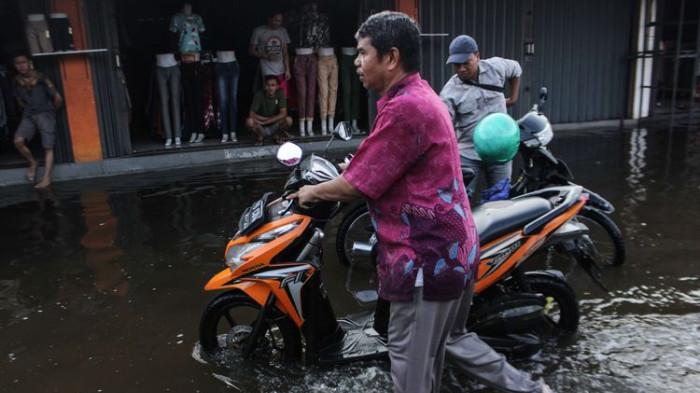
(476, 90)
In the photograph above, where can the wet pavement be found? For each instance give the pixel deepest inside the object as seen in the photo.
(101, 281)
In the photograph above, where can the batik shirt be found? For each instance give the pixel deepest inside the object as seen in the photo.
(409, 170)
(189, 28)
(468, 104)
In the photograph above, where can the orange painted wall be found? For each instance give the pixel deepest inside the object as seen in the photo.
(78, 89)
(408, 7)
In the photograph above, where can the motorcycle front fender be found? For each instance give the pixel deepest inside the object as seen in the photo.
(256, 290)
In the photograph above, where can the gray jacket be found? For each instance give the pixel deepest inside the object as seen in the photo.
(468, 104)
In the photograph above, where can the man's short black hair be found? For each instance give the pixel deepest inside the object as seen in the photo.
(389, 29)
(21, 54)
(271, 77)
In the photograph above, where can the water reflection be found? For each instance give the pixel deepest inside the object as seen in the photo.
(101, 253)
(101, 282)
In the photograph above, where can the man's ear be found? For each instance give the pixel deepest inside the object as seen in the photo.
(393, 58)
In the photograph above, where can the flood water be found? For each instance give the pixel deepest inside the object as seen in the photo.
(101, 282)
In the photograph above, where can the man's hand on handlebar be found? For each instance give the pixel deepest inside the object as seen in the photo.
(306, 197)
(346, 161)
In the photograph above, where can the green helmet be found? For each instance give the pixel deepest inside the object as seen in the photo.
(496, 138)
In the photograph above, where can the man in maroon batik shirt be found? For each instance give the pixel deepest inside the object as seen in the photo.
(408, 169)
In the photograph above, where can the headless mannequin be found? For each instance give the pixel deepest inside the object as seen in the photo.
(168, 77)
(227, 72)
(188, 27)
(38, 36)
(305, 70)
(328, 87)
(314, 33)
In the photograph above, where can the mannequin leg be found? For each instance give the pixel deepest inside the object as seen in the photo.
(175, 95)
(312, 77)
(332, 93)
(302, 126)
(162, 79)
(192, 114)
(300, 77)
(323, 74)
(222, 95)
(233, 101)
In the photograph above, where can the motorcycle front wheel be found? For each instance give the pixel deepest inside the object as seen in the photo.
(228, 321)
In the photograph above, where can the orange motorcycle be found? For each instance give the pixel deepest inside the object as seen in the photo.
(274, 304)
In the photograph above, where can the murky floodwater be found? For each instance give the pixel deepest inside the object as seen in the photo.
(101, 282)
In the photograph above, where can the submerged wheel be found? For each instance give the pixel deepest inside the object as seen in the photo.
(228, 321)
(561, 308)
(605, 236)
(356, 227)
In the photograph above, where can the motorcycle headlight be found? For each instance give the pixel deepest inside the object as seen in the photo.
(235, 254)
(275, 233)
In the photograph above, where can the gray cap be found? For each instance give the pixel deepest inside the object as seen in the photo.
(460, 49)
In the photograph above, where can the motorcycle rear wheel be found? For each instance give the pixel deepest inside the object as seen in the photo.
(561, 309)
(605, 236)
(356, 226)
(229, 319)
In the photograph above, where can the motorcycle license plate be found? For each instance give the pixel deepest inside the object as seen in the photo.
(253, 217)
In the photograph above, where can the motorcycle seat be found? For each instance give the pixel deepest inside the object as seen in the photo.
(494, 219)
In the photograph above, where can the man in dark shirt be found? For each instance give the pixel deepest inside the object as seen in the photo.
(39, 100)
(268, 113)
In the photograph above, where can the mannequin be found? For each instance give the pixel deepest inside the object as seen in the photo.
(227, 72)
(188, 26)
(305, 74)
(315, 33)
(168, 77)
(350, 84)
(38, 35)
(61, 32)
(327, 87)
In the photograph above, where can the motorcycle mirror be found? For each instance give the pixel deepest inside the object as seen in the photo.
(543, 95)
(289, 154)
(343, 130)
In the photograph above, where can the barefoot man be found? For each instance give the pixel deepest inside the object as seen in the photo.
(39, 100)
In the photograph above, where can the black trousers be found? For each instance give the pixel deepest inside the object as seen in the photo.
(61, 33)
(192, 92)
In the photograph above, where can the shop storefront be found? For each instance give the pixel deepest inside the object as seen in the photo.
(222, 40)
(109, 74)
